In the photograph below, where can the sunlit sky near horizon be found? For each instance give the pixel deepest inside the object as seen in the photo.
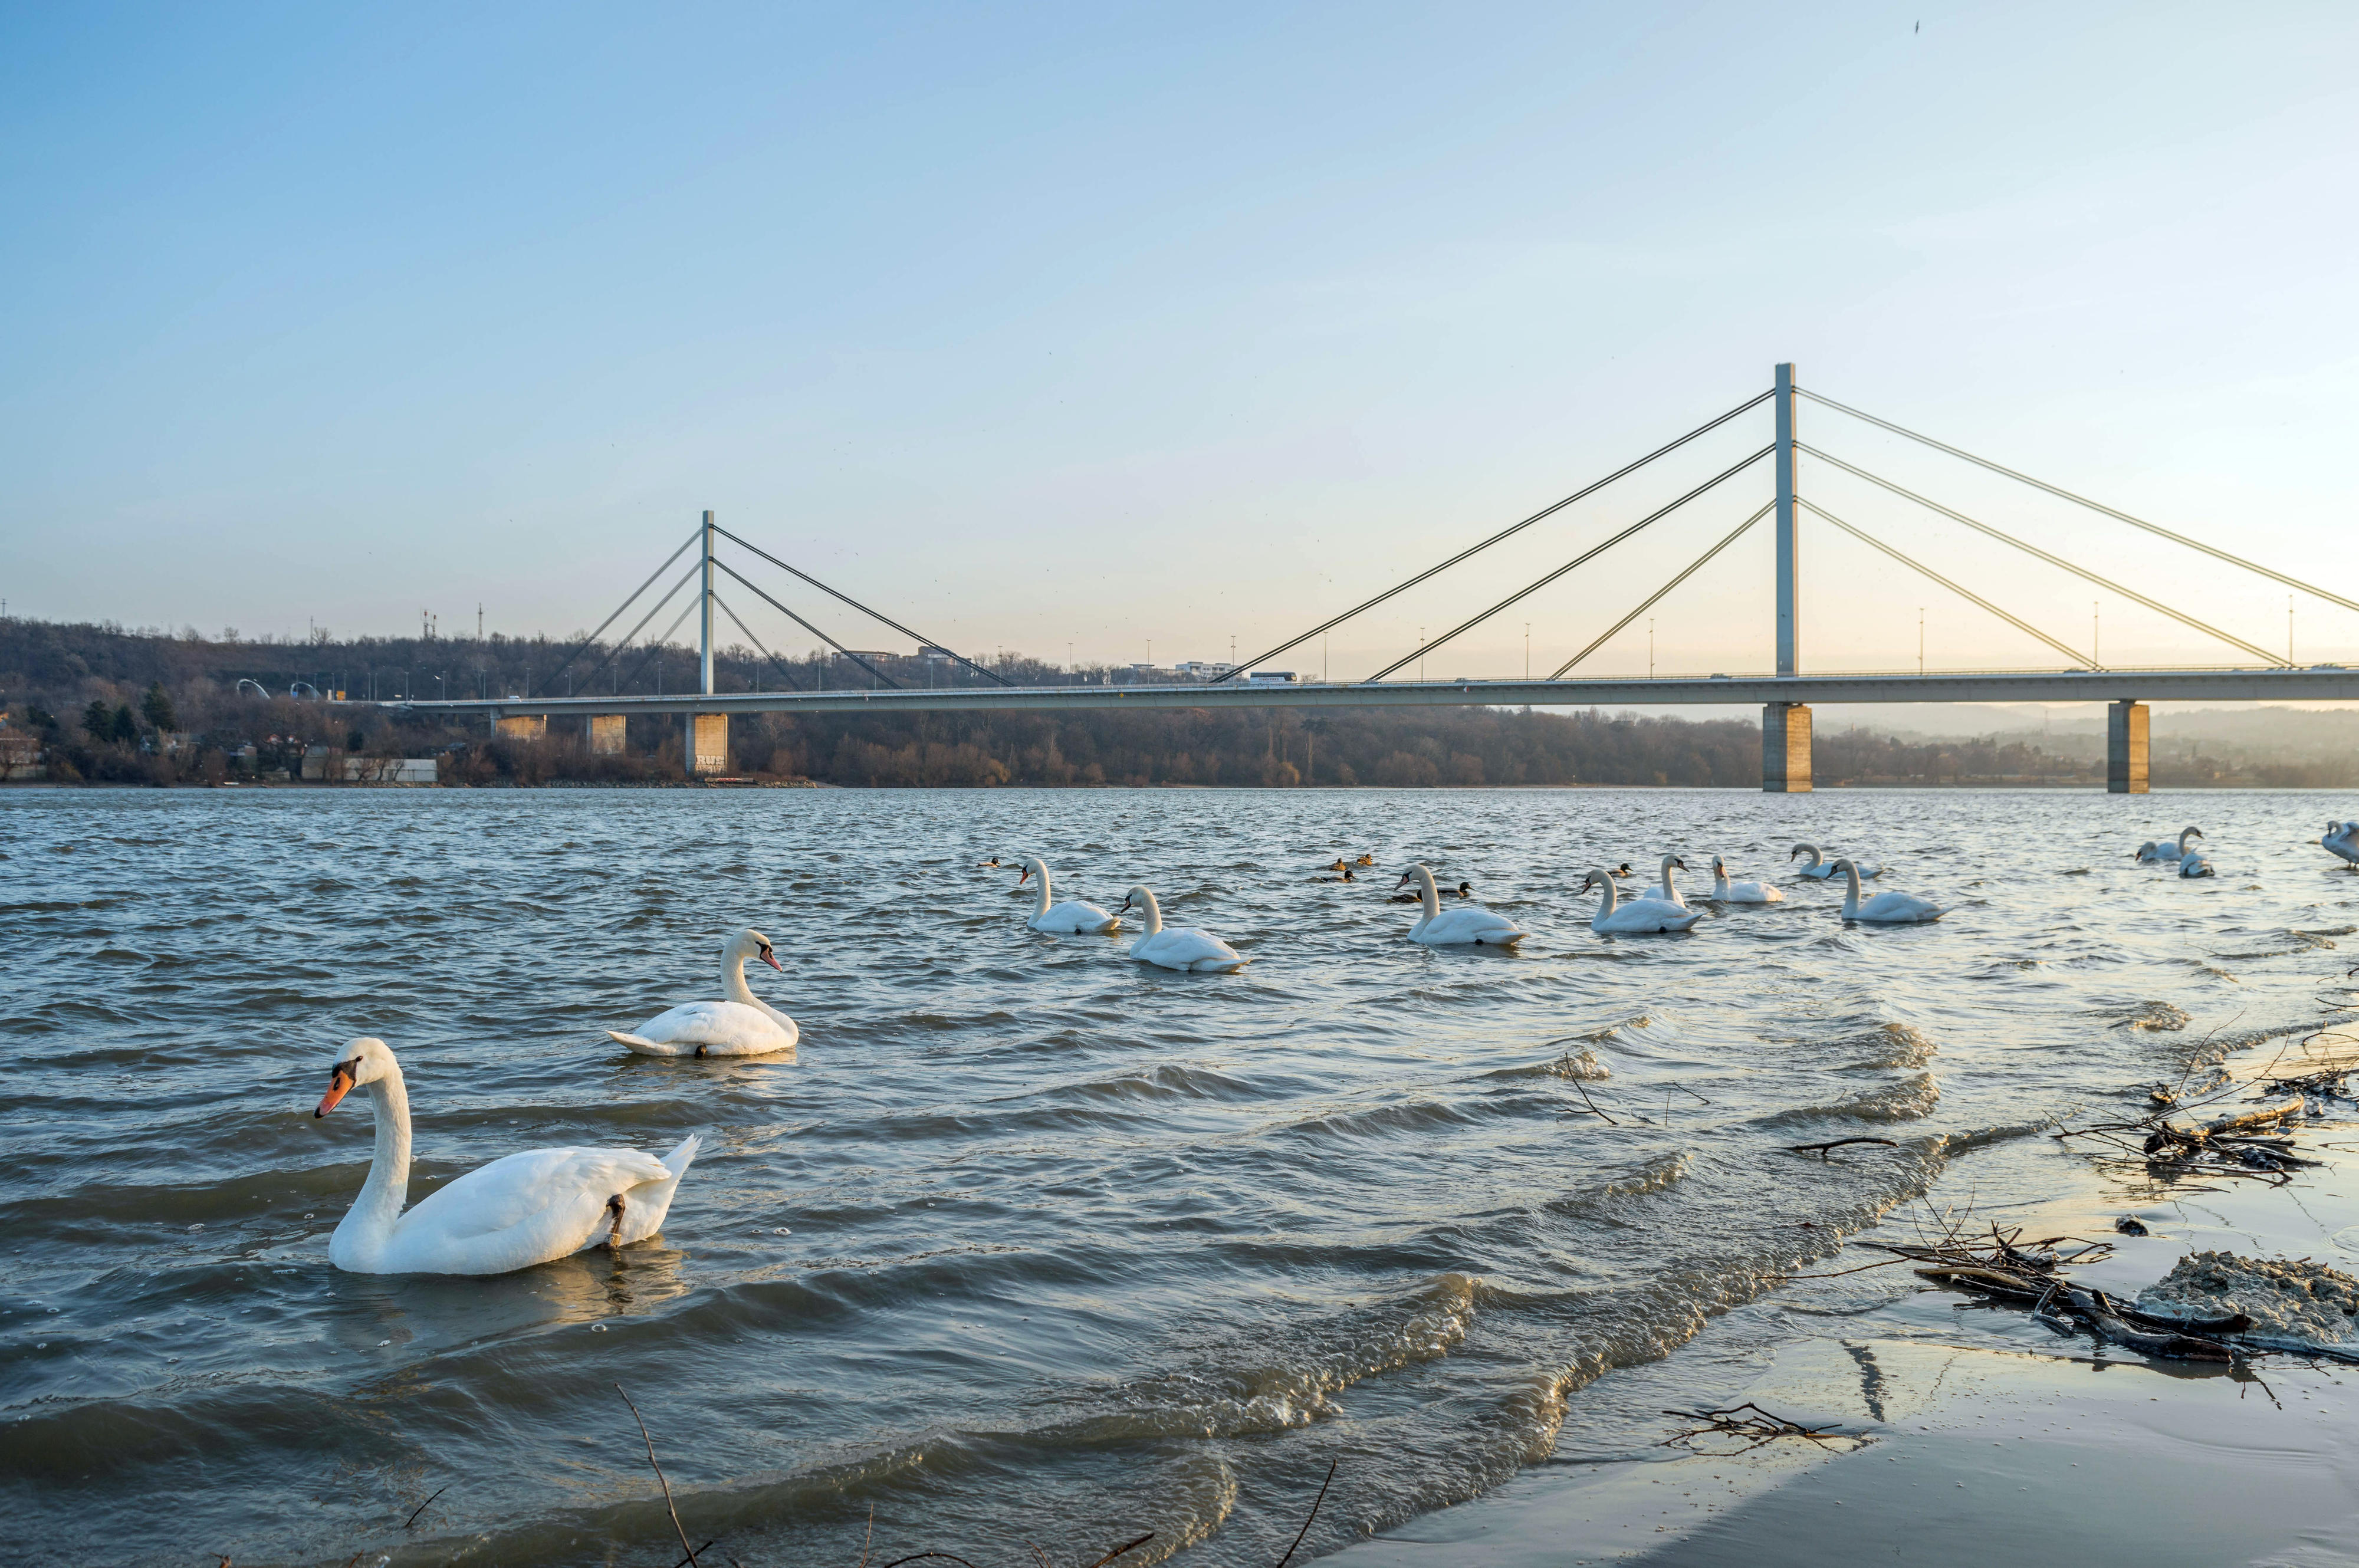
(1144, 330)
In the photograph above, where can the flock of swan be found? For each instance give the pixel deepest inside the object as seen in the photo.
(536, 1206)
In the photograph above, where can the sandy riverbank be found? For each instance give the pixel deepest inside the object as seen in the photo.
(1973, 1434)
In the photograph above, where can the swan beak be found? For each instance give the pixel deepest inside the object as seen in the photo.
(771, 959)
(1025, 878)
(340, 1084)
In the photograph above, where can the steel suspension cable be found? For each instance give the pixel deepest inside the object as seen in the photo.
(2080, 571)
(656, 649)
(1544, 512)
(787, 675)
(2156, 528)
(1616, 628)
(806, 625)
(1963, 593)
(616, 652)
(1584, 557)
(625, 604)
(920, 641)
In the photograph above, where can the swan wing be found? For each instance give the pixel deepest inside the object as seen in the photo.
(522, 1210)
(1185, 947)
(1651, 915)
(1453, 928)
(722, 1029)
(1075, 917)
(1893, 909)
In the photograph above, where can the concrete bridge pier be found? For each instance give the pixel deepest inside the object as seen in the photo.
(708, 744)
(606, 734)
(2125, 748)
(525, 726)
(1786, 748)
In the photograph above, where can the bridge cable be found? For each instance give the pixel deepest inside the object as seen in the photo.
(920, 641)
(656, 649)
(616, 652)
(1475, 549)
(1584, 557)
(807, 626)
(2104, 583)
(787, 675)
(2156, 528)
(1615, 630)
(625, 604)
(1963, 593)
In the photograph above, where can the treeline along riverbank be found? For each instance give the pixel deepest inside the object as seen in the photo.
(100, 703)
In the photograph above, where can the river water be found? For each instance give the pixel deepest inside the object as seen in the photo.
(1029, 1243)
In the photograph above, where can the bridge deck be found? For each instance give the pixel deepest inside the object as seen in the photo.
(2324, 684)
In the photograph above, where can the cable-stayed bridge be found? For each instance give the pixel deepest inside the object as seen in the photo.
(1786, 696)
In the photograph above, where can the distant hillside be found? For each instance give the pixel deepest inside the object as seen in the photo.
(105, 703)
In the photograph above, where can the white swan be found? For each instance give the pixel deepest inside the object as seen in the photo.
(2194, 865)
(1075, 917)
(1818, 867)
(519, 1210)
(2159, 850)
(1182, 947)
(745, 1025)
(2342, 838)
(1615, 918)
(1460, 927)
(1724, 891)
(1885, 908)
(1667, 891)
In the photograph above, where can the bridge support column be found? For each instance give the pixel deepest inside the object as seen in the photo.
(1786, 748)
(606, 734)
(2125, 748)
(708, 744)
(524, 726)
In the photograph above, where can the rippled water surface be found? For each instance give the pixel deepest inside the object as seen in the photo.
(1029, 1242)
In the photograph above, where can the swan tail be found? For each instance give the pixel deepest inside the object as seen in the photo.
(644, 1047)
(679, 1160)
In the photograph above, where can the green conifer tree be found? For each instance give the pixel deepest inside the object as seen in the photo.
(98, 720)
(126, 726)
(158, 706)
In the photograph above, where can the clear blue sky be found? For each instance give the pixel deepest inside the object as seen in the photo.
(1103, 324)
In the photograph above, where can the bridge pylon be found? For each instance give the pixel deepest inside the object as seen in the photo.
(2125, 748)
(1786, 726)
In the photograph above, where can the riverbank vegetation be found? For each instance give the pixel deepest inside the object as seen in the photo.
(100, 703)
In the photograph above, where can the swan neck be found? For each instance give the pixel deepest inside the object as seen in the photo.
(1041, 871)
(1429, 897)
(1851, 889)
(368, 1227)
(732, 979)
(1154, 912)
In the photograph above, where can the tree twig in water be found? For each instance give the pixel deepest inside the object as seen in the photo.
(1314, 1514)
(920, 1556)
(668, 1507)
(1585, 1100)
(1759, 1428)
(690, 1559)
(1125, 1546)
(424, 1506)
(1821, 1149)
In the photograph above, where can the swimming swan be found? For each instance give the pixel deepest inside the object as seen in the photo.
(1459, 927)
(518, 1211)
(1819, 869)
(2342, 838)
(1615, 918)
(1182, 947)
(2194, 865)
(1885, 908)
(1724, 891)
(1075, 917)
(2167, 849)
(743, 1026)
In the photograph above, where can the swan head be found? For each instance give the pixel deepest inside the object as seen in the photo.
(1810, 849)
(751, 943)
(367, 1060)
(2191, 833)
(1672, 861)
(1601, 880)
(1029, 867)
(1846, 865)
(1720, 868)
(1138, 894)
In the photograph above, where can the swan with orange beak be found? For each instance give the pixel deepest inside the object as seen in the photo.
(745, 1025)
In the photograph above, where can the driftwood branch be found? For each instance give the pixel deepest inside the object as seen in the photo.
(1821, 1150)
(424, 1506)
(668, 1506)
(1313, 1514)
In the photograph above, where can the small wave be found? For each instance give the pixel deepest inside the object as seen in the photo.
(1639, 1181)
(2163, 1017)
(1891, 1045)
(1911, 1099)
(1584, 1065)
